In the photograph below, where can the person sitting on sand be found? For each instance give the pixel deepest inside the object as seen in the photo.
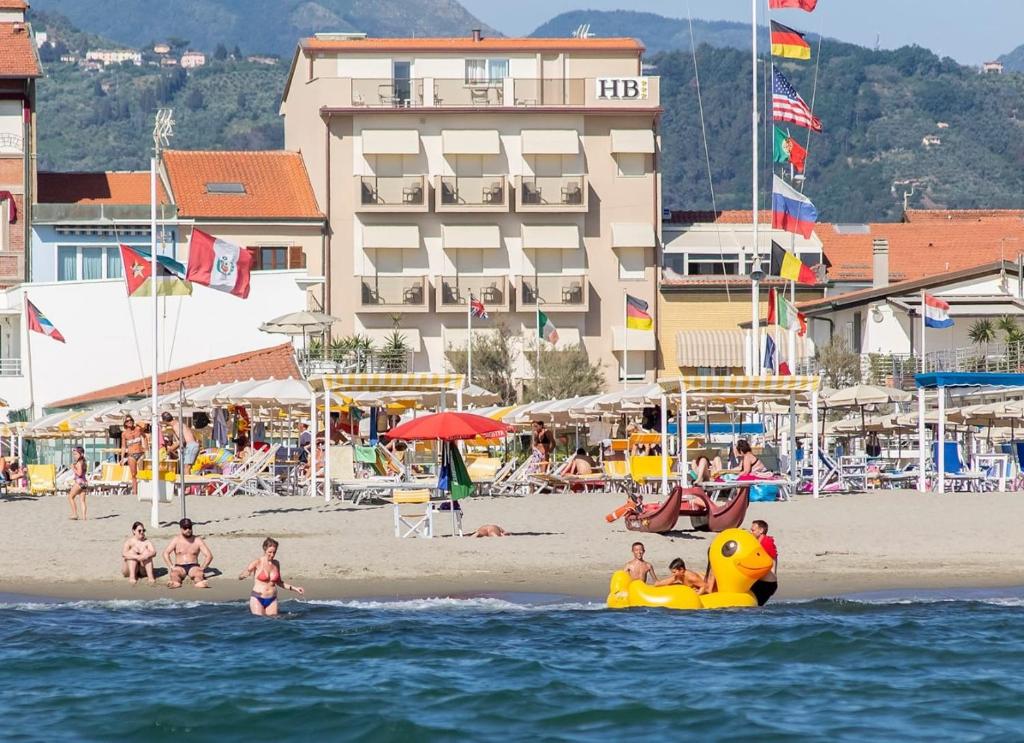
(681, 576)
(581, 464)
(137, 556)
(704, 469)
(263, 598)
(182, 558)
(490, 530)
(638, 568)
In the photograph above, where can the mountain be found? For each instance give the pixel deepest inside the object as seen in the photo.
(260, 26)
(1014, 61)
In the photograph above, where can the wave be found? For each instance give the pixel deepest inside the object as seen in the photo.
(477, 603)
(112, 604)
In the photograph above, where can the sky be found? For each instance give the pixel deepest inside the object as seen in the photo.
(969, 31)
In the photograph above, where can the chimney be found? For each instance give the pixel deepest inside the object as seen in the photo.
(879, 263)
(477, 36)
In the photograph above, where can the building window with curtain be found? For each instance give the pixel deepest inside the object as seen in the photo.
(486, 71)
(92, 264)
(273, 258)
(115, 266)
(67, 263)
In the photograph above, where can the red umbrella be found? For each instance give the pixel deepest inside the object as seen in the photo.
(449, 426)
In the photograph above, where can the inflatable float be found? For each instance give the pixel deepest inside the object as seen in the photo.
(737, 561)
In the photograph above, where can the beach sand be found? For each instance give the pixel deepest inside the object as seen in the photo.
(561, 544)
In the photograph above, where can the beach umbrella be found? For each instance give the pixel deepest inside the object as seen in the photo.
(449, 426)
(299, 323)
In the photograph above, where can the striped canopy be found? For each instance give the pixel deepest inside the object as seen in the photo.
(741, 385)
(410, 382)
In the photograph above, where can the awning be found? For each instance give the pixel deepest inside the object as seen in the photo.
(969, 379)
(741, 385)
(638, 340)
(633, 140)
(550, 142)
(470, 142)
(380, 336)
(406, 236)
(711, 348)
(551, 236)
(633, 235)
(391, 142)
(410, 382)
(480, 236)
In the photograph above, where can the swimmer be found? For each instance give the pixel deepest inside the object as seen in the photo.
(638, 568)
(681, 576)
(185, 550)
(490, 530)
(263, 598)
(137, 556)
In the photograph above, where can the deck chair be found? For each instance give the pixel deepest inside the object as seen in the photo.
(616, 472)
(483, 471)
(995, 468)
(958, 476)
(251, 476)
(111, 478)
(344, 480)
(419, 523)
(42, 478)
(645, 471)
(518, 482)
(828, 475)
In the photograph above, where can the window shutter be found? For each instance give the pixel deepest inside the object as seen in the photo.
(296, 257)
(255, 252)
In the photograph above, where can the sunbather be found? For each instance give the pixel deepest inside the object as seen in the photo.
(137, 556)
(182, 557)
(490, 530)
(133, 448)
(681, 576)
(80, 484)
(581, 464)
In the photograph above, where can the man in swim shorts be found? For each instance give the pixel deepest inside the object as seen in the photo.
(681, 576)
(765, 588)
(638, 568)
(182, 557)
(183, 440)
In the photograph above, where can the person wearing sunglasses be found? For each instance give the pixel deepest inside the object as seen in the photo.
(138, 553)
(182, 557)
(133, 448)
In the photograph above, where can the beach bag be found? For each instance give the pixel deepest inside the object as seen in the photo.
(764, 493)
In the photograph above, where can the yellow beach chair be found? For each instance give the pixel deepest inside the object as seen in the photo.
(413, 524)
(646, 470)
(42, 478)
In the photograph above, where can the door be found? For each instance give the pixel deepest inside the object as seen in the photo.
(401, 74)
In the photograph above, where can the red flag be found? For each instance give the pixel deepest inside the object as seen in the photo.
(773, 312)
(218, 264)
(39, 323)
(807, 5)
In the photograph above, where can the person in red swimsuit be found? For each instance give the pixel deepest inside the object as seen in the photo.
(263, 598)
(765, 588)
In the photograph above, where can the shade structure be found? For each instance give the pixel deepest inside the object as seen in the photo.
(270, 392)
(406, 382)
(861, 395)
(741, 385)
(299, 323)
(449, 426)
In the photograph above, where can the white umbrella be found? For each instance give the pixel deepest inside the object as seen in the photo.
(299, 323)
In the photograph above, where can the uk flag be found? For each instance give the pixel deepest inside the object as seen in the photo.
(477, 309)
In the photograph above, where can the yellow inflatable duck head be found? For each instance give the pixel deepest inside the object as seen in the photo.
(738, 561)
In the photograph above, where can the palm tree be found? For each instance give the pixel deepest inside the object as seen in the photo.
(982, 331)
(1010, 328)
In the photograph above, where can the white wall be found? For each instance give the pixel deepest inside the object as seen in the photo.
(103, 348)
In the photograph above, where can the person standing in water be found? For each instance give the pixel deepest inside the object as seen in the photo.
(765, 588)
(263, 598)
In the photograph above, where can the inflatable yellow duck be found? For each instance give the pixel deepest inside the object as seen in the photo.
(737, 561)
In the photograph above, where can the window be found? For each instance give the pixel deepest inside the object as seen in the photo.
(857, 329)
(67, 263)
(712, 264)
(222, 188)
(632, 164)
(632, 263)
(115, 265)
(486, 71)
(88, 263)
(713, 371)
(92, 264)
(635, 363)
(273, 259)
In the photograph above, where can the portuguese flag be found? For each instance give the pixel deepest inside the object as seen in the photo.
(788, 42)
(788, 150)
(787, 266)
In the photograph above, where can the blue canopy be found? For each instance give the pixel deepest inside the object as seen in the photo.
(739, 429)
(968, 379)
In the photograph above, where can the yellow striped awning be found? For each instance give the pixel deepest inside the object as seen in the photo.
(711, 348)
(408, 382)
(741, 385)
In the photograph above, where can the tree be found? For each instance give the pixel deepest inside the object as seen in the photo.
(176, 42)
(840, 365)
(220, 53)
(982, 331)
(394, 354)
(494, 358)
(194, 100)
(566, 372)
(236, 53)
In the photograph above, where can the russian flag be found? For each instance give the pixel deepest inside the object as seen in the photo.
(791, 210)
(936, 313)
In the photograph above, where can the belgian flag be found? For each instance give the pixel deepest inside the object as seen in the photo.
(788, 42)
(787, 266)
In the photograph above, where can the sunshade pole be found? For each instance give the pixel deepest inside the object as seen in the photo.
(814, 429)
(312, 442)
(327, 442)
(683, 450)
(922, 481)
(792, 435)
(664, 444)
(942, 439)
(181, 448)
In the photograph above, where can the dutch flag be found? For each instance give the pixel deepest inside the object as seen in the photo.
(936, 313)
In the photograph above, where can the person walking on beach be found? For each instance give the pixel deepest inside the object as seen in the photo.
(133, 448)
(638, 568)
(543, 441)
(263, 598)
(765, 588)
(182, 557)
(183, 442)
(137, 556)
(80, 484)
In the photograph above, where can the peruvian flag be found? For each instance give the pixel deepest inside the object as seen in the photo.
(807, 5)
(218, 264)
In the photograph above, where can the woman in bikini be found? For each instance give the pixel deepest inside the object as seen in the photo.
(80, 484)
(263, 599)
(133, 448)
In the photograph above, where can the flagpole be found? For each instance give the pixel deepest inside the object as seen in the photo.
(28, 364)
(755, 289)
(625, 342)
(536, 359)
(469, 342)
(791, 341)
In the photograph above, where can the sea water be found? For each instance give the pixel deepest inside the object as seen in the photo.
(513, 668)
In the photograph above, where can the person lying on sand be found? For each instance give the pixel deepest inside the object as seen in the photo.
(681, 576)
(489, 530)
(185, 550)
(137, 556)
(638, 568)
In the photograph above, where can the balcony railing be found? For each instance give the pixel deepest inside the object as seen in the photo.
(453, 292)
(402, 193)
(561, 193)
(376, 361)
(10, 367)
(391, 293)
(487, 193)
(561, 292)
(387, 92)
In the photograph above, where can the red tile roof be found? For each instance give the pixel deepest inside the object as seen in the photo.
(467, 44)
(276, 184)
(276, 361)
(960, 215)
(97, 188)
(18, 51)
(13, 5)
(728, 216)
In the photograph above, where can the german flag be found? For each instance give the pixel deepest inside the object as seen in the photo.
(788, 42)
(637, 316)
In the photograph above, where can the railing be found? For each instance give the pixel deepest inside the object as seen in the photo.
(561, 292)
(387, 92)
(453, 292)
(459, 92)
(561, 193)
(338, 361)
(387, 293)
(392, 193)
(479, 193)
(550, 91)
(10, 367)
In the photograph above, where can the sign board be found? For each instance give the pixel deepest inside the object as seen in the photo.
(621, 88)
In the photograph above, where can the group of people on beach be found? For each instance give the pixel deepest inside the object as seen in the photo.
(639, 569)
(188, 557)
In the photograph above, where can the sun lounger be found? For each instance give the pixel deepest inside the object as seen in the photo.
(957, 475)
(995, 469)
(646, 471)
(42, 478)
(250, 477)
(616, 472)
(111, 478)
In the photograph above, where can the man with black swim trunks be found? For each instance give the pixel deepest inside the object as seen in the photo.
(182, 557)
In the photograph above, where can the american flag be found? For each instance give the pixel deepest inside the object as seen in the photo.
(787, 105)
(477, 309)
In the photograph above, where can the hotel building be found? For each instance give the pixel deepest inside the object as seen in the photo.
(523, 172)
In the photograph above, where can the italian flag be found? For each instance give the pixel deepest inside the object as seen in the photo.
(218, 264)
(545, 328)
(782, 313)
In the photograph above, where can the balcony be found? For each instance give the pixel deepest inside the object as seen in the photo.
(394, 294)
(560, 193)
(387, 92)
(488, 193)
(555, 293)
(549, 92)
(453, 292)
(10, 367)
(401, 193)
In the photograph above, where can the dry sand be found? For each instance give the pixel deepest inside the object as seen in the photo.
(562, 544)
